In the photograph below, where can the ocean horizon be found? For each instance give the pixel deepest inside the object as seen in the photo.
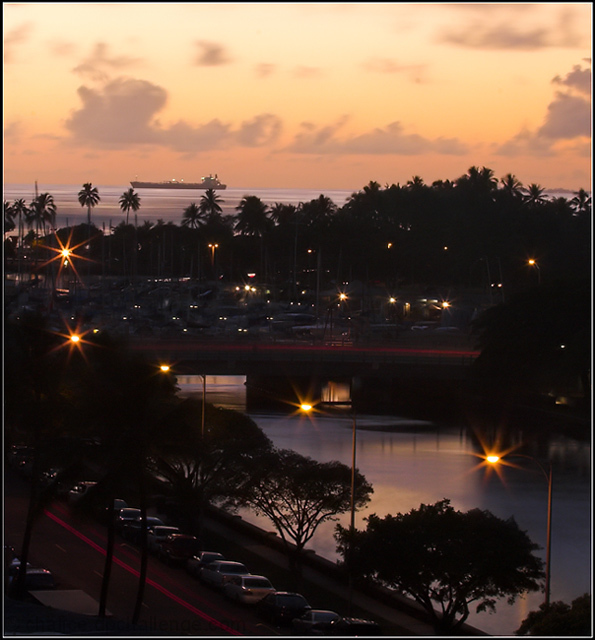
(168, 205)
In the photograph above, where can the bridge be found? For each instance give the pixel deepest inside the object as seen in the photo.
(285, 370)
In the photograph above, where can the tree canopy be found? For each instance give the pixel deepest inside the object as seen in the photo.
(298, 493)
(560, 619)
(446, 559)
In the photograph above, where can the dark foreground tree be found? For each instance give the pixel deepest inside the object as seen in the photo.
(559, 619)
(207, 458)
(446, 559)
(298, 494)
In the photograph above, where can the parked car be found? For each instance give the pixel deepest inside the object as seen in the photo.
(281, 607)
(195, 563)
(36, 578)
(126, 515)
(315, 622)
(354, 627)
(219, 572)
(247, 589)
(157, 535)
(131, 530)
(79, 490)
(178, 547)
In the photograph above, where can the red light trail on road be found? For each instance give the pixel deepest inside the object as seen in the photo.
(150, 582)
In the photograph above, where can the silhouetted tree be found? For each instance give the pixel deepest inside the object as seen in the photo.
(443, 557)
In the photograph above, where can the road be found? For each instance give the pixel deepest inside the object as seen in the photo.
(174, 602)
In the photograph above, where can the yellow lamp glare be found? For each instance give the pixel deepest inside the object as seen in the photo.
(74, 338)
(445, 305)
(492, 459)
(531, 261)
(164, 368)
(306, 407)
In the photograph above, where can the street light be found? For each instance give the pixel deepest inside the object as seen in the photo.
(306, 408)
(212, 247)
(533, 263)
(547, 472)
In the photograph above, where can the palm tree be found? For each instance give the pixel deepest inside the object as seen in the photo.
(209, 205)
(534, 196)
(511, 186)
(129, 200)
(9, 216)
(581, 203)
(43, 210)
(252, 218)
(88, 197)
(20, 209)
(193, 216)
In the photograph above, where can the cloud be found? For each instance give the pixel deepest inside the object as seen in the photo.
(264, 69)
(391, 139)
(211, 54)
(568, 118)
(14, 38)
(13, 131)
(62, 48)
(124, 113)
(94, 67)
(118, 115)
(386, 65)
(578, 79)
(307, 72)
(488, 33)
(261, 130)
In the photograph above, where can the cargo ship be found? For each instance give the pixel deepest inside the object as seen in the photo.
(210, 182)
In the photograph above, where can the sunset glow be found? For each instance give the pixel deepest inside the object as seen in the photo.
(292, 95)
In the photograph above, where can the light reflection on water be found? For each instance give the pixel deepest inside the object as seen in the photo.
(418, 462)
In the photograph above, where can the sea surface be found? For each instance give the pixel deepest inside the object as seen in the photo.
(156, 204)
(166, 205)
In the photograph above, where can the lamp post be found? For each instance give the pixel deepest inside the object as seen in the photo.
(204, 399)
(305, 407)
(533, 263)
(213, 247)
(547, 472)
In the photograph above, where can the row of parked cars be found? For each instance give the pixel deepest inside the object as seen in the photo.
(233, 579)
(236, 582)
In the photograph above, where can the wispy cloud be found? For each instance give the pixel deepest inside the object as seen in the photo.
(264, 69)
(389, 66)
(211, 54)
(391, 139)
(14, 38)
(98, 65)
(506, 31)
(307, 72)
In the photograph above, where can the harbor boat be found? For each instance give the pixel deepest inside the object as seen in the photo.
(208, 182)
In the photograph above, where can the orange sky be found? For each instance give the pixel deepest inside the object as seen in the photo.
(322, 96)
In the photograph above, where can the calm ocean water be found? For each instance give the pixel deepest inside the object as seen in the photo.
(156, 204)
(163, 205)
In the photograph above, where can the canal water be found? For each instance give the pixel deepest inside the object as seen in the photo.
(410, 462)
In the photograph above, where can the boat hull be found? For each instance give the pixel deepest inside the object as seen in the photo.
(176, 185)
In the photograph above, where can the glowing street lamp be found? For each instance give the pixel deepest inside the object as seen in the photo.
(306, 408)
(533, 263)
(495, 459)
(213, 247)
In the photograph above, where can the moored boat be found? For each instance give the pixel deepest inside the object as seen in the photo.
(208, 182)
